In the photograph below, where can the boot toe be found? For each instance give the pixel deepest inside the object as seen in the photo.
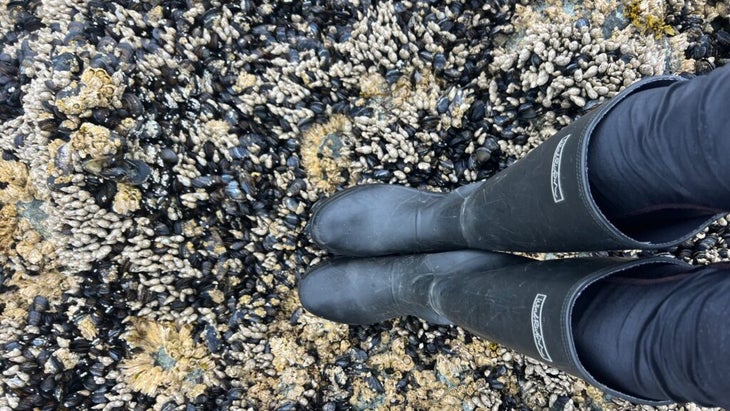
(330, 291)
(368, 220)
(315, 293)
(333, 220)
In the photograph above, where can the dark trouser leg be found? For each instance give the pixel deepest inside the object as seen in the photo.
(662, 150)
(644, 170)
(667, 338)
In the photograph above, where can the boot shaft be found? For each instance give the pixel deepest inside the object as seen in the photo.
(543, 202)
(529, 307)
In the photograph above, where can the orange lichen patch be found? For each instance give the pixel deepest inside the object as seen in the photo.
(167, 360)
(646, 16)
(23, 288)
(94, 141)
(96, 89)
(127, 199)
(325, 150)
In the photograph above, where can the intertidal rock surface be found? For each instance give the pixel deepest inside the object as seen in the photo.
(160, 159)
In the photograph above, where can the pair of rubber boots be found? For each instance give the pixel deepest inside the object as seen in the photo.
(541, 203)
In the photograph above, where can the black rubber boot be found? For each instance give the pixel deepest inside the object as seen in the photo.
(380, 219)
(370, 290)
(523, 304)
(543, 202)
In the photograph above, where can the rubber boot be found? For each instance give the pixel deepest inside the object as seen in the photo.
(541, 203)
(372, 290)
(524, 304)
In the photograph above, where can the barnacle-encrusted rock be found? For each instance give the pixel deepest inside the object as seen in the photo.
(218, 133)
(21, 218)
(172, 153)
(373, 85)
(8, 224)
(18, 187)
(31, 246)
(244, 81)
(96, 88)
(50, 284)
(87, 328)
(94, 141)
(127, 199)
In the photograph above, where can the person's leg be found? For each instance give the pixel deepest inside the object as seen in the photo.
(526, 305)
(663, 152)
(664, 337)
(556, 198)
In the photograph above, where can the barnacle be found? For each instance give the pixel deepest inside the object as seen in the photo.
(392, 359)
(244, 81)
(94, 141)
(324, 152)
(21, 218)
(127, 199)
(14, 175)
(31, 246)
(87, 328)
(166, 360)
(8, 224)
(50, 284)
(218, 133)
(373, 85)
(95, 89)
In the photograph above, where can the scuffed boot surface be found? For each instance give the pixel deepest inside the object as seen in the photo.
(373, 220)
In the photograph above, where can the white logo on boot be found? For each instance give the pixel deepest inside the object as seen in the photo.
(537, 327)
(555, 170)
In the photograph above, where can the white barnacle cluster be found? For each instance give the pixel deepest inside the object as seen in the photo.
(565, 58)
(85, 232)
